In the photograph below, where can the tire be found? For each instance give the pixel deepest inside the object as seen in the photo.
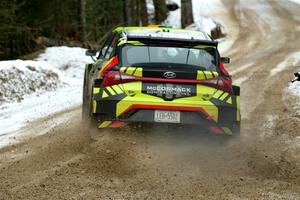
(86, 113)
(85, 98)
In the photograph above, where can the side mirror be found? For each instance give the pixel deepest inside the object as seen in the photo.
(91, 52)
(225, 60)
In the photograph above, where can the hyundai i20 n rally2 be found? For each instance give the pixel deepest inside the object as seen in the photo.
(160, 75)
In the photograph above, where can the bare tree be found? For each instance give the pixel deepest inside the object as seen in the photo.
(135, 12)
(161, 10)
(186, 13)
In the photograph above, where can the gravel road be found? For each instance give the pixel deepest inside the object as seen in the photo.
(159, 162)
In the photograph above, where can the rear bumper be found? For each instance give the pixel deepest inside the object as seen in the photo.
(221, 110)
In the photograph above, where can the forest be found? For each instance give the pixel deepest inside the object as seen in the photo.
(27, 26)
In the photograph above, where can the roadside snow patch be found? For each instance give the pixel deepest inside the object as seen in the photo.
(30, 90)
(292, 60)
(69, 60)
(294, 90)
(19, 78)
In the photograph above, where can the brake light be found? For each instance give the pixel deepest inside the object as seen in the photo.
(111, 63)
(116, 77)
(219, 83)
(222, 68)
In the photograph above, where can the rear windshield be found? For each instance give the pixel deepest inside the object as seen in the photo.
(204, 58)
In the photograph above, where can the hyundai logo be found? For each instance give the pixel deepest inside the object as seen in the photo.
(169, 75)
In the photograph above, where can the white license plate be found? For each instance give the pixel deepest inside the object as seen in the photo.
(167, 116)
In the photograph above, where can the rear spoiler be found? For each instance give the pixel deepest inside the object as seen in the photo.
(163, 40)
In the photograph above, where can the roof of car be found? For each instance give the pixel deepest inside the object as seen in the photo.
(167, 33)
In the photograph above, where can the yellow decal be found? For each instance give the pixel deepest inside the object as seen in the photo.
(136, 43)
(117, 89)
(110, 90)
(218, 94)
(138, 72)
(223, 96)
(96, 90)
(145, 99)
(105, 64)
(122, 69)
(104, 124)
(208, 74)
(238, 112)
(104, 94)
(227, 130)
(94, 106)
(130, 70)
(200, 75)
(203, 46)
(203, 75)
(229, 100)
(216, 74)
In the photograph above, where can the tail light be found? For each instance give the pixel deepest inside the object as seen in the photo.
(224, 71)
(220, 83)
(116, 77)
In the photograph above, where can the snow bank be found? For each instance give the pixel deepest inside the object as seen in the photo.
(31, 90)
(203, 12)
(19, 78)
(69, 60)
(206, 14)
(294, 89)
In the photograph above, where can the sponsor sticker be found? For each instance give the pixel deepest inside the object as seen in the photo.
(168, 90)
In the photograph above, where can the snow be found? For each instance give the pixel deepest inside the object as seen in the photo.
(70, 61)
(205, 13)
(150, 11)
(174, 17)
(296, 1)
(51, 83)
(294, 89)
(19, 78)
(291, 61)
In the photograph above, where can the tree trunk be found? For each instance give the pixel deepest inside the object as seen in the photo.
(161, 11)
(135, 12)
(82, 22)
(143, 13)
(186, 13)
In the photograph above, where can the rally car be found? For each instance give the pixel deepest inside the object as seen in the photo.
(160, 75)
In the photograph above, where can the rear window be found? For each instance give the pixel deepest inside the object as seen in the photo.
(205, 58)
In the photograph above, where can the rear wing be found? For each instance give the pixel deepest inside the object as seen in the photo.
(172, 41)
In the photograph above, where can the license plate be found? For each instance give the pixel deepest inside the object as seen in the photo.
(167, 116)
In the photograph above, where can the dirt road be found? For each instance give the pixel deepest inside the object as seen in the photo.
(155, 163)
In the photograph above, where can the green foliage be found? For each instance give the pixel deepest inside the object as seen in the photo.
(22, 21)
(103, 16)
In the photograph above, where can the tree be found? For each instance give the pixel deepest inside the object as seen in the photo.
(161, 11)
(82, 21)
(186, 13)
(135, 12)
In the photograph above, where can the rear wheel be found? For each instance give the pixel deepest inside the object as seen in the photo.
(87, 119)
